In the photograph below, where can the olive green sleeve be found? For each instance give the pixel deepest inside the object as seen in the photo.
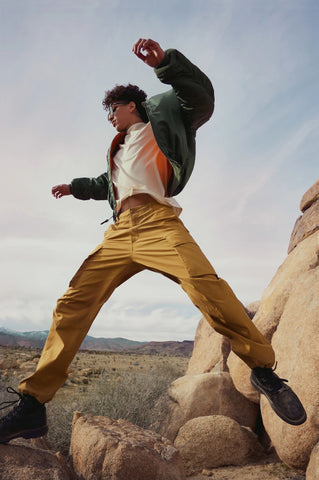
(86, 188)
(192, 87)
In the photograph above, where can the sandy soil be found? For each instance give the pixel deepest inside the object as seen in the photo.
(265, 471)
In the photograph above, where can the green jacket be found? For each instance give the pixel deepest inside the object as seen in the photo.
(175, 116)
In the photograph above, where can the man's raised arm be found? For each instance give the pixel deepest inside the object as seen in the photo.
(192, 87)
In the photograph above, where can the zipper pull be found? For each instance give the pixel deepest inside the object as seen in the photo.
(107, 220)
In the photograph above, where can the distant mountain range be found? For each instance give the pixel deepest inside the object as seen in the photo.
(36, 339)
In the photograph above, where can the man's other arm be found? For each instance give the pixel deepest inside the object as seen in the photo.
(192, 87)
(84, 188)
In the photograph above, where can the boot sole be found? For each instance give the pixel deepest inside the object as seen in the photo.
(35, 433)
(297, 421)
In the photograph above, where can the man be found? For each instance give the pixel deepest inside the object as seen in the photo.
(150, 160)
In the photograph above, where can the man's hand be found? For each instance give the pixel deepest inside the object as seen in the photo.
(61, 190)
(149, 51)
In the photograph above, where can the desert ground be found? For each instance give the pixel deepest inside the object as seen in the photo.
(101, 383)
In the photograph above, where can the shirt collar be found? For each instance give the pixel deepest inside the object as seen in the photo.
(135, 127)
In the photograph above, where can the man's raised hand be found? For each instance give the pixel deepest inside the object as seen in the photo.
(149, 51)
(61, 190)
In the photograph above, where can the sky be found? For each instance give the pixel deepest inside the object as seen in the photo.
(255, 159)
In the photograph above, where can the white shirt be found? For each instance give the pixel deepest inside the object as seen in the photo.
(139, 166)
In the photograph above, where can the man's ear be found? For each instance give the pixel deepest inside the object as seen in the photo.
(132, 107)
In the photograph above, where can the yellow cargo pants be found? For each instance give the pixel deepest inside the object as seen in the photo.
(146, 237)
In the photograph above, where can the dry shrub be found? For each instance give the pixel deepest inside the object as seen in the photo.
(130, 395)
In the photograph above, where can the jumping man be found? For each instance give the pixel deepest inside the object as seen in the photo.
(149, 162)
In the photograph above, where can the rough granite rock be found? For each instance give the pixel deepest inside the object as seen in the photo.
(311, 195)
(252, 308)
(212, 353)
(207, 352)
(203, 395)
(240, 374)
(296, 343)
(213, 441)
(312, 472)
(20, 461)
(211, 350)
(287, 284)
(306, 225)
(102, 448)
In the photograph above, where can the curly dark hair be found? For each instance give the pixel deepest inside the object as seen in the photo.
(127, 93)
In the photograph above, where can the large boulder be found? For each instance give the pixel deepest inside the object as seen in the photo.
(310, 197)
(214, 441)
(266, 319)
(240, 374)
(288, 316)
(306, 225)
(211, 349)
(288, 284)
(313, 466)
(117, 450)
(20, 460)
(296, 343)
(203, 395)
(207, 352)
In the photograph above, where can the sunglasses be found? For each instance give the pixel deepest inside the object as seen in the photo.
(112, 108)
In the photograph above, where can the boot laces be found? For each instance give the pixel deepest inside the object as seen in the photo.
(10, 403)
(273, 381)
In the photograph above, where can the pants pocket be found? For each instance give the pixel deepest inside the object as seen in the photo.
(189, 252)
(84, 265)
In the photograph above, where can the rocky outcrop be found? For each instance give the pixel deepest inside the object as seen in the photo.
(288, 315)
(296, 343)
(207, 351)
(308, 223)
(290, 307)
(213, 441)
(194, 396)
(21, 460)
(211, 349)
(117, 450)
(240, 374)
(310, 197)
(288, 318)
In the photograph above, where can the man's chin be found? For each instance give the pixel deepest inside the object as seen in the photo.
(119, 129)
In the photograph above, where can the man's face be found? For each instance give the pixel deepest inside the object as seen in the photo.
(122, 115)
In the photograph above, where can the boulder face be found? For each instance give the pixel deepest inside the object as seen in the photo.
(207, 352)
(194, 396)
(296, 343)
(288, 316)
(214, 441)
(19, 460)
(308, 223)
(117, 450)
(313, 467)
(240, 374)
(310, 197)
